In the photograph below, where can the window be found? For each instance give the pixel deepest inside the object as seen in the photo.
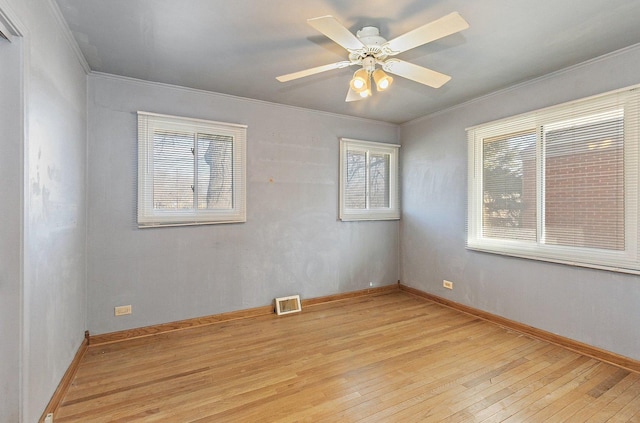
(559, 184)
(368, 180)
(190, 171)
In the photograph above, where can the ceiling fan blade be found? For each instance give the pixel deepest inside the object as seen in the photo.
(313, 71)
(416, 73)
(353, 96)
(329, 26)
(432, 31)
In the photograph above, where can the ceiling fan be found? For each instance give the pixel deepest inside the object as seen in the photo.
(368, 49)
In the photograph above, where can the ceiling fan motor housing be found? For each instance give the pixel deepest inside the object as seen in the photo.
(370, 37)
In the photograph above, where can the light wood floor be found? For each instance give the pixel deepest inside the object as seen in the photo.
(385, 358)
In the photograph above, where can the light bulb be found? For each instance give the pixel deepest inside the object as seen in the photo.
(367, 89)
(359, 81)
(381, 79)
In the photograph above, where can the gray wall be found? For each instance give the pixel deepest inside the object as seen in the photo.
(291, 243)
(10, 233)
(53, 303)
(599, 308)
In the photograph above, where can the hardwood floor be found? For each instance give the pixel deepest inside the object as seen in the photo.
(382, 358)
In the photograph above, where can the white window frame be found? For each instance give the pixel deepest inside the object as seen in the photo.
(626, 261)
(387, 213)
(148, 123)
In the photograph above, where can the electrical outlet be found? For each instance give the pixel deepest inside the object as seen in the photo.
(49, 418)
(122, 310)
(447, 284)
(370, 284)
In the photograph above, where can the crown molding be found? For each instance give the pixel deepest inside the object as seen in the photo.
(233, 97)
(525, 84)
(68, 35)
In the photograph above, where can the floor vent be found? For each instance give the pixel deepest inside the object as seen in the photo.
(287, 305)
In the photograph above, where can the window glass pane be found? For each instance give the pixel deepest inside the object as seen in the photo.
(215, 171)
(172, 170)
(379, 180)
(584, 184)
(509, 186)
(355, 184)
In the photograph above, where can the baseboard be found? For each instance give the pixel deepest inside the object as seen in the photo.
(352, 294)
(570, 344)
(66, 380)
(124, 335)
(145, 331)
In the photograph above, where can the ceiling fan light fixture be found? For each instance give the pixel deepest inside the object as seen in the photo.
(367, 91)
(359, 81)
(382, 80)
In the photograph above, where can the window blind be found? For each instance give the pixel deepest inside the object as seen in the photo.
(356, 177)
(379, 164)
(509, 186)
(584, 182)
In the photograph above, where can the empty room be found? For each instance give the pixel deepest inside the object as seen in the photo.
(319, 211)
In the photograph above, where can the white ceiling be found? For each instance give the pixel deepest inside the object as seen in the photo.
(238, 47)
